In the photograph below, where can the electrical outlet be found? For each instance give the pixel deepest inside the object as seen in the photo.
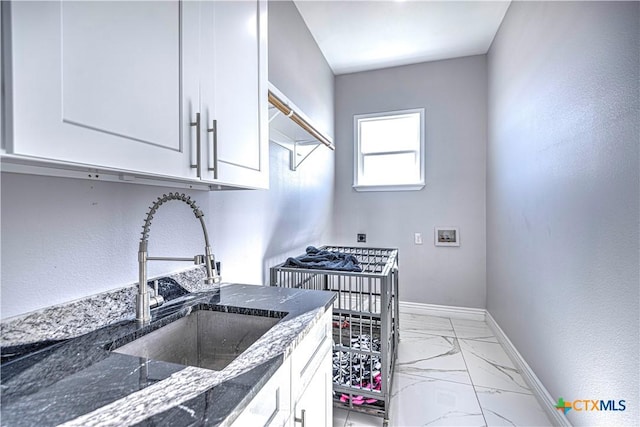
(362, 238)
(417, 238)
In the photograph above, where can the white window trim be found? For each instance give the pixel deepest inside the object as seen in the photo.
(358, 157)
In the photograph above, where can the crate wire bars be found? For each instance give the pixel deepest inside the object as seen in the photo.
(365, 324)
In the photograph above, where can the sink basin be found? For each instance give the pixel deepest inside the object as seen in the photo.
(204, 338)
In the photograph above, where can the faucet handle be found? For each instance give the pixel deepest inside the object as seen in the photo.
(213, 275)
(214, 278)
(156, 300)
(155, 288)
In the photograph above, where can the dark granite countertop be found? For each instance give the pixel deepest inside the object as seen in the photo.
(79, 381)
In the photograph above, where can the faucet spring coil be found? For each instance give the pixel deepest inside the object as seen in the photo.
(143, 301)
(163, 199)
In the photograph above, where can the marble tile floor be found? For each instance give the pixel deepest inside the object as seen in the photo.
(452, 372)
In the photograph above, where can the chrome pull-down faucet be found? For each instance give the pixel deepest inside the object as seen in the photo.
(144, 303)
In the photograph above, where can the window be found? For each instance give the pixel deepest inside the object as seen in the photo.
(389, 151)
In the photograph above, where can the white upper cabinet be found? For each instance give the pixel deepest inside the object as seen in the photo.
(119, 85)
(99, 83)
(234, 95)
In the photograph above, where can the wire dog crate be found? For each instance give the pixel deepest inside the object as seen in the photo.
(365, 324)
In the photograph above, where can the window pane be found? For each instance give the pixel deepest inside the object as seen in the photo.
(390, 133)
(390, 169)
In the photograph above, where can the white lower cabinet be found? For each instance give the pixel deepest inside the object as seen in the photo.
(311, 377)
(272, 405)
(314, 406)
(299, 393)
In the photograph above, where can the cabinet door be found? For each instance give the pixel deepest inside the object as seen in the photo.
(108, 84)
(271, 407)
(311, 376)
(315, 406)
(236, 94)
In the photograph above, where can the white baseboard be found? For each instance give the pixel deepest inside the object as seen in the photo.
(546, 401)
(443, 311)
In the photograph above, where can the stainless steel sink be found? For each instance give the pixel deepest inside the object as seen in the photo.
(204, 338)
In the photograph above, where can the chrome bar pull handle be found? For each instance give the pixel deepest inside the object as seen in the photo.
(214, 130)
(301, 419)
(198, 147)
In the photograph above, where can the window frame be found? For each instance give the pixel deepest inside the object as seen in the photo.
(358, 160)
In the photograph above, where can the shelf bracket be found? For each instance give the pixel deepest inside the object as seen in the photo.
(293, 156)
(293, 147)
(275, 114)
(299, 149)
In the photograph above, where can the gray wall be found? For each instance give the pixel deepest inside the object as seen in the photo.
(63, 239)
(297, 67)
(562, 197)
(453, 93)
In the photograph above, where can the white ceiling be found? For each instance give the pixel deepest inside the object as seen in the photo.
(366, 35)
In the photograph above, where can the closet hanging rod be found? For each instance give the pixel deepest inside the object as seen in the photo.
(284, 109)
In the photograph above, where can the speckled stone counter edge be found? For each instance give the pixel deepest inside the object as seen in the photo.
(81, 316)
(193, 381)
(70, 368)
